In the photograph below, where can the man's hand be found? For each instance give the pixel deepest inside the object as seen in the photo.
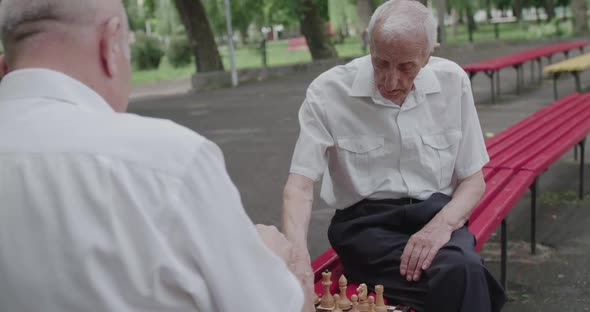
(425, 244)
(301, 267)
(422, 247)
(276, 242)
(297, 259)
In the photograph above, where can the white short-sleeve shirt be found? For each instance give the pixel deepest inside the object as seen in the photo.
(365, 146)
(101, 211)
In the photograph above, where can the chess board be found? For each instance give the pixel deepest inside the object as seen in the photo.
(344, 297)
(389, 309)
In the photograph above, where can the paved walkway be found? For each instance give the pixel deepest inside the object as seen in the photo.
(256, 127)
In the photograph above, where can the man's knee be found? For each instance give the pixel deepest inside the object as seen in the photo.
(455, 262)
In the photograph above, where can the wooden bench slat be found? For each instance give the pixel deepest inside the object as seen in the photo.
(513, 148)
(523, 124)
(487, 173)
(543, 159)
(493, 214)
(578, 63)
(495, 182)
(524, 56)
(555, 141)
(554, 145)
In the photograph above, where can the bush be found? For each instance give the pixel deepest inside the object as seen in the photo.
(179, 52)
(146, 52)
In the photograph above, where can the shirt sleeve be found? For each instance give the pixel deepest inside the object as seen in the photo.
(310, 156)
(222, 262)
(472, 155)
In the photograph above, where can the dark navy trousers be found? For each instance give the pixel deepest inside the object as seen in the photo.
(370, 237)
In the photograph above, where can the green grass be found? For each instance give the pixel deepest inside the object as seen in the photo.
(511, 32)
(279, 54)
(164, 72)
(246, 57)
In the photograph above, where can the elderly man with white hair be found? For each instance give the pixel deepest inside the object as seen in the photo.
(106, 211)
(396, 138)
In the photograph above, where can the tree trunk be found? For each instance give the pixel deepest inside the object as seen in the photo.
(471, 26)
(441, 9)
(364, 9)
(194, 18)
(517, 9)
(244, 35)
(316, 32)
(489, 10)
(470, 18)
(550, 9)
(454, 21)
(425, 2)
(580, 7)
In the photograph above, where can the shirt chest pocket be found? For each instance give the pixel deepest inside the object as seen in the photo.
(357, 155)
(440, 153)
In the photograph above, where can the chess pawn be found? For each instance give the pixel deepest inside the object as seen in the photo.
(355, 303)
(379, 302)
(345, 304)
(371, 304)
(327, 300)
(337, 303)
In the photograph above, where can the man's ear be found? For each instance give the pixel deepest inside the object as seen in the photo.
(3, 66)
(436, 47)
(110, 45)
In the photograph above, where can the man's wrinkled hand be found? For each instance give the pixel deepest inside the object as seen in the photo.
(297, 259)
(276, 242)
(301, 267)
(422, 247)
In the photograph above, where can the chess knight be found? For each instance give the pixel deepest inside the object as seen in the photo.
(395, 138)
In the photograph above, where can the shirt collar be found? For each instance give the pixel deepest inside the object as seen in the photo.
(45, 83)
(364, 83)
(426, 82)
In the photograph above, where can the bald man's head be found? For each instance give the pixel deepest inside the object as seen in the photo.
(397, 19)
(22, 21)
(85, 39)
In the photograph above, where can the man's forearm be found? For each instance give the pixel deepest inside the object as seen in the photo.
(297, 205)
(466, 197)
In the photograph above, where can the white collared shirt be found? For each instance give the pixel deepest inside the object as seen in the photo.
(101, 211)
(365, 146)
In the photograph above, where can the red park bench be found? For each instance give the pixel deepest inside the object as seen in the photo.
(492, 67)
(297, 44)
(519, 156)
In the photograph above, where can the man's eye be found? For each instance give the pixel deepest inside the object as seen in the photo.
(407, 67)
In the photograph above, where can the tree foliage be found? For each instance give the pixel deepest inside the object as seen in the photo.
(136, 15)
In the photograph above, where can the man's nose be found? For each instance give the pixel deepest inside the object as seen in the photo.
(391, 80)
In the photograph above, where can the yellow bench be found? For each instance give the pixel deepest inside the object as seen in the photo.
(574, 66)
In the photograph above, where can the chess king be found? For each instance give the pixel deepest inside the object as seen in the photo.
(395, 138)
